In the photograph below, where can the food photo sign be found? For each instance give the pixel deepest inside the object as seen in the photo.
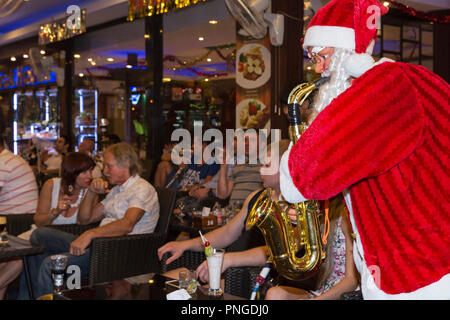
(253, 71)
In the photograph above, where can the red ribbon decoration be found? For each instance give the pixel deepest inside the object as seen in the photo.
(431, 17)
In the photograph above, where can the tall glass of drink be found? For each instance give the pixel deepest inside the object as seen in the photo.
(58, 266)
(215, 270)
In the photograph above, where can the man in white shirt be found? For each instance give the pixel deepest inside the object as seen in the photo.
(18, 188)
(131, 207)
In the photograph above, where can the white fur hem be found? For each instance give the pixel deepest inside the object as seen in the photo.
(330, 36)
(287, 186)
(439, 290)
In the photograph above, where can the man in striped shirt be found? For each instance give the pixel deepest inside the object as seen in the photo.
(18, 187)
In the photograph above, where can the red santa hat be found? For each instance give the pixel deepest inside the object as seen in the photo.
(349, 24)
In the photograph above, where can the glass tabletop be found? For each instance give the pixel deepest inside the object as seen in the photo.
(149, 287)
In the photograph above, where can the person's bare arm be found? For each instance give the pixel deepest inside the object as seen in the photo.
(219, 238)
(255, 257)
(90, 209)
(116, 228)
(44, 215)
(224, 185)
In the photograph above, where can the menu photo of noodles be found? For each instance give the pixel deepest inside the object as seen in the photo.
(252, 66)
(253, 114)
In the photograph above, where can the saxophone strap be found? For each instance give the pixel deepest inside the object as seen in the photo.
(326, 230)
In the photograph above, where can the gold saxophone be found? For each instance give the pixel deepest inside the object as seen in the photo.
(269, 216)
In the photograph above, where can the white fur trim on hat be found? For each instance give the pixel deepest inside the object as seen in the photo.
(357, 64)
(329, 36)
(287, 187)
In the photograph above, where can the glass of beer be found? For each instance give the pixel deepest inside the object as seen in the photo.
(58, 266)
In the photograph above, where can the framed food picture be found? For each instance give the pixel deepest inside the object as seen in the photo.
(253, 114)
(252, 66)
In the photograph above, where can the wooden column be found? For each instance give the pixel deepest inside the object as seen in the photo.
(154, 103)
(287, 61)
(66, 109)
(441, 48)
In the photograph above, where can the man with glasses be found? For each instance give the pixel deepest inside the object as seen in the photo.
(381, 137)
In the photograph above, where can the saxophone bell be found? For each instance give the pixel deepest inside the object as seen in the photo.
(268, 215)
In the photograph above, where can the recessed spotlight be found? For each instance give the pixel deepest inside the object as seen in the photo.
(213, 21)
(25, 56)
(201, 38)
(110, 59)
(206, 79)
(166, 79)
(76, 56)
(81, 75)
(93, 63)
(147, 36)
(129, 66)
(13, 59)
(90, 59)
(386, 4)
(209, 59)
(42, 51)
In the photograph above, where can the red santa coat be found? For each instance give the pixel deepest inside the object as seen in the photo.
(387, 140)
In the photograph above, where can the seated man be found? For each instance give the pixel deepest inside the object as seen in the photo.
(131, 207)
(244, 177)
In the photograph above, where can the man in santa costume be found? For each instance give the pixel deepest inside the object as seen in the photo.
(381, 137)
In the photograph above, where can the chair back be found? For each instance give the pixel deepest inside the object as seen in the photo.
(147, 169)
(18, 223)
(166, 199)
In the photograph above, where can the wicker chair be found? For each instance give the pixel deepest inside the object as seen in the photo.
(114, 258)
(18, 223)
(76, 229)
(240, 281)
(189, 259)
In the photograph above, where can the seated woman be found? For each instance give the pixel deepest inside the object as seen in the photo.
(337, 274)
(58, 203)
(232, 235)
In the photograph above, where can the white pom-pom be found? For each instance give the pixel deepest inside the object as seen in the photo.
(357, 64)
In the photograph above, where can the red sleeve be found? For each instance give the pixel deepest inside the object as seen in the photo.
(368, 129)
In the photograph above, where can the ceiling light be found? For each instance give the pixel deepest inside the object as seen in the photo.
(201, 38)
(213, 21)
(13, 59)
(129, 66)
(81, 75)
(89, 59)
(386, 4)
(76, 56)
(93, 63)
(110, 59)
(209, 59)
(166, 79)
(206, 79)
(25, 56)
(147, 36)
(42, 51)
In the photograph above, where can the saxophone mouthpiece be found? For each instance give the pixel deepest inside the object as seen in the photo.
(321, 81)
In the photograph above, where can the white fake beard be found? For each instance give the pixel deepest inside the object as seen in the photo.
(338, 83)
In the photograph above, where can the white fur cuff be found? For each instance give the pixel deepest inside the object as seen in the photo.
(287, 187)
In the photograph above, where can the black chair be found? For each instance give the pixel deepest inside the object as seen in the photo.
(114, 258)
(18, 223)
(189, 259)
(76, 229)
(240, 281)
